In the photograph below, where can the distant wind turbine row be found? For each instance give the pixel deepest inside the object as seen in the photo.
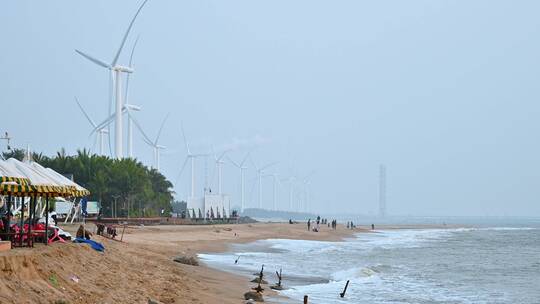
(123, 106)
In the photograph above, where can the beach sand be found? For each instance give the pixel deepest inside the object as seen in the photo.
(141, 267)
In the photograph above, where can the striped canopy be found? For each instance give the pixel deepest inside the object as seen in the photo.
(74, 188)
(43, 185)
(25, 179)
(8, 173)
(13, 182)
(14, 189)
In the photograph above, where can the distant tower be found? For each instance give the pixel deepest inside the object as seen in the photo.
(382, 191)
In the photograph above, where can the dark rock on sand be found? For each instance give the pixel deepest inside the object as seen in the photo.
(152, 301)
(256, 280)
(277, 287)
(255, 296)
(188, 260)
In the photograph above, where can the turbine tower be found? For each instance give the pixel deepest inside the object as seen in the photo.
(306, 182)
(382, 191)
(133, 107)
(101, 133)
(190, 157)
(219, 165)
(260, 172)
(275, 177)
(290, 180)
(116, 71)
(242, 180)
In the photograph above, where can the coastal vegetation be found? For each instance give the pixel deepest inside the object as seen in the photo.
(137, 189)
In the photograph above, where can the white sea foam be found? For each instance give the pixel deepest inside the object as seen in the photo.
(399, 266)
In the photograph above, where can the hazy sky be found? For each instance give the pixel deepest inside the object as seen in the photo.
(445, 93)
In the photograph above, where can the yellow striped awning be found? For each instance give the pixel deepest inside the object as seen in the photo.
(15, 189)
(18, 180)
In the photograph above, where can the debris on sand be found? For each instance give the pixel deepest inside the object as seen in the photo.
(187, 260)
(255, 296)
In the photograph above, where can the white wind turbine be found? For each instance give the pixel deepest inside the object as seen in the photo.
(219, 165)
(131, 106)
(116, 71)
(242, 180)
(260, 173)
(154, 144)
(275, 177)
(290, 180)
(306, 182)
(190, 157)
(101, 133)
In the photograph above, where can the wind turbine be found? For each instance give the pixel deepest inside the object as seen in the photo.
(101, 133)
(190, 157)
(275, 177)
(306, 182)
(260, 172)
(154, 144)
(219, 165)
(291, 181)
(116, 71)
(242, 179)
(131, 106)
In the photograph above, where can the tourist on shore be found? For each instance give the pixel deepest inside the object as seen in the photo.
(309, 225)
(372, 227)
(318, 221)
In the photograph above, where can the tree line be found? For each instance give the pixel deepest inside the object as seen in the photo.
(137, 189)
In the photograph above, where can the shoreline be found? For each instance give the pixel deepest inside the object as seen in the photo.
(142, 267)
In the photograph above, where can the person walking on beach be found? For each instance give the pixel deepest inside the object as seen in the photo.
(309, 225)
(318, 221)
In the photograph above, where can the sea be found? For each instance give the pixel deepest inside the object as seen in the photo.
(498, 263)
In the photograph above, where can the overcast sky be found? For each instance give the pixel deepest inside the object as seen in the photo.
(445, 93)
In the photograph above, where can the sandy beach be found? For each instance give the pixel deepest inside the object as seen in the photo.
(141, 267)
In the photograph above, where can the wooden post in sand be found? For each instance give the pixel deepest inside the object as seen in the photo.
(305, 299)
(344, 290)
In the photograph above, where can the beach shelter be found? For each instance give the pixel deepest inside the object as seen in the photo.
(13, 184)
(12, 181)
(79, 191)
(44, 187)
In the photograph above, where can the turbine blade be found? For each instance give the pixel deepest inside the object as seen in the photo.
(103, 124)
(115, 60)
(85, 114)
(145, 137)
(133, 51)
(185, 140)
(94, 60)
(223, 154)
(245, 158)
(269, 165)
(161, 128)
(130, 65)
(233, 162)
(181, 170)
